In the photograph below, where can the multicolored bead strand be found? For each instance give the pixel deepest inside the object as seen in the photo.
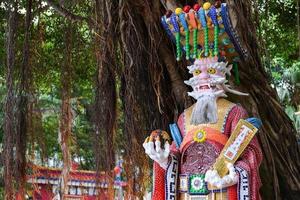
(196, 8)
(187, 44)
(177, 35)
(194, 24)
(195, 42)
(216, 40)
(181, 15)
(202, 17)
(213, 15)
(178, 50)
(206, 46)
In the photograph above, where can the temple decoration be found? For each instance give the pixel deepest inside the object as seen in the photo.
(83, 184)
(214, 153)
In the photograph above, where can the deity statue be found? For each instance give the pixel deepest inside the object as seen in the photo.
(192, 166)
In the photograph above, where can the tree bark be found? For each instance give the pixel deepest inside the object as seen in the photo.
(65, 131)
(24, 92)
(106, 78)
(280, 171)
(9, 130)
(106, 98)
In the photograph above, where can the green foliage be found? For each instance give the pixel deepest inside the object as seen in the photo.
(278, 32)
(295, 73)
(47, 45)
(295, 118)
(286, 79)
(278, 29)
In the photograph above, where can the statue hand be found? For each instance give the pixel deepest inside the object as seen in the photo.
(155, 152)
(214, 179)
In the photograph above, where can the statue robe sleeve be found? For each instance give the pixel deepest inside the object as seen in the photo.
(159, 176)
(248, 165)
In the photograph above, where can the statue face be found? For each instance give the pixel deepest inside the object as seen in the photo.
(208, 77)
(208, 83)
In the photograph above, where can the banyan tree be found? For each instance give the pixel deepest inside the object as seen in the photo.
(136, 65)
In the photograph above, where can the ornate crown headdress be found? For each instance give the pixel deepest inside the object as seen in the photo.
(202, 32)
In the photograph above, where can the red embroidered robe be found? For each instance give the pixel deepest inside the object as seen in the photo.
(248, 163)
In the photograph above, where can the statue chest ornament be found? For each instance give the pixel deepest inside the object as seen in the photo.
(198, 158)
(200, 148)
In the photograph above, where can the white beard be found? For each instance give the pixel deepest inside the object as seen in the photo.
(205, 111)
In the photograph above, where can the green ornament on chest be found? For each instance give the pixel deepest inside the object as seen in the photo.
(197, 184)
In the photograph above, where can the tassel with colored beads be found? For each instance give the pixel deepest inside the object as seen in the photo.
(173, 20)
(216, 40)
(178, 50)
(202, 18)
(195, 42)
(181, 16)
(206, 46)
(213, 15)
(187, 44)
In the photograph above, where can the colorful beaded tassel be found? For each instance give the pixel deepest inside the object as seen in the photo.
(216, 34)
(201, 15)
(187, 44)
(195, 42)
(178, 50)
(177, 36)
(213, 16)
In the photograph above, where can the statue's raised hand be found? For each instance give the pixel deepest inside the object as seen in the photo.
(154, 150)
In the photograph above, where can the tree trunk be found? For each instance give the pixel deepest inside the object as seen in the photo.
(280, 170)
(65, 131)
(24, 91)
(105, 99)
(9, 130)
